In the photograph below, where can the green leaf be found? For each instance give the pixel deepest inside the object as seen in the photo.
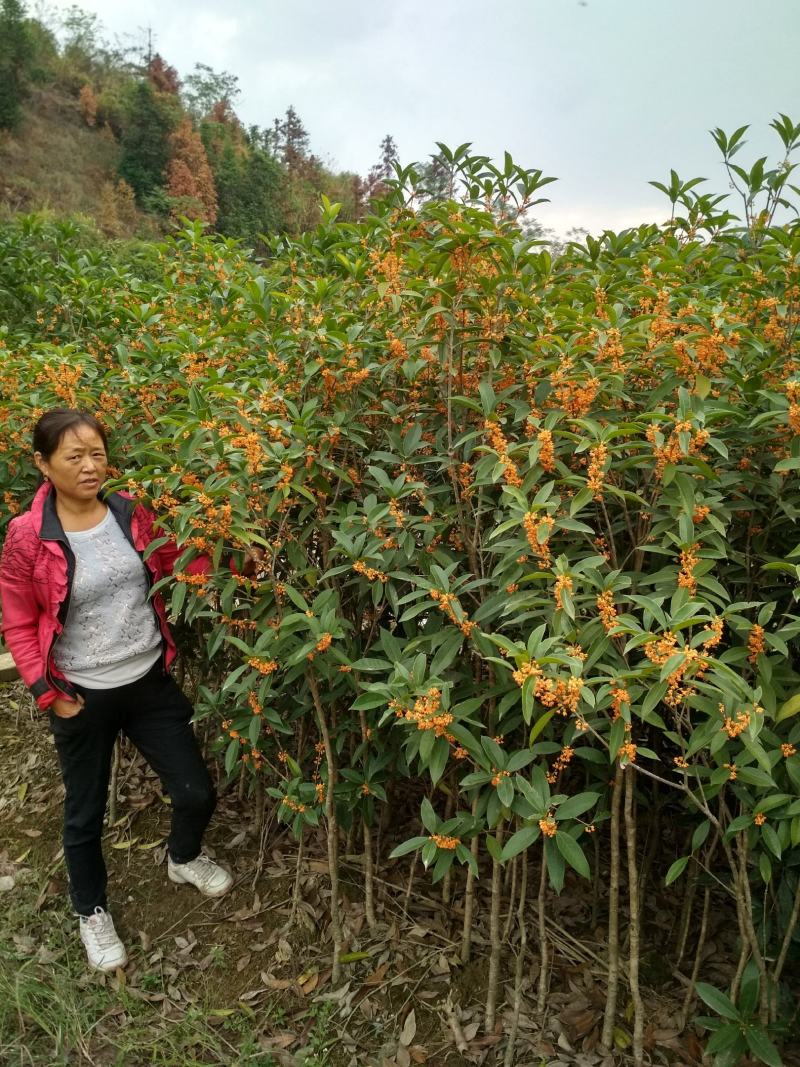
(790, 708)
(572, 853)
(438, 759)
(771, 840)
(676, 870)
(717, 1001)
(428, 816)
(761, 1046)
(725, 1038)
(700, 834)
(577, 805)
(411, 845)
(748, 993)
(519, 841)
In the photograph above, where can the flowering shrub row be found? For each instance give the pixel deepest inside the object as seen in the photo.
(529, 522)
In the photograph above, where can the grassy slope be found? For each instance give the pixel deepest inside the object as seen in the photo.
(55, 162)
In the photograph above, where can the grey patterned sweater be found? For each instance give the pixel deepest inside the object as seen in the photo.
(110, 636)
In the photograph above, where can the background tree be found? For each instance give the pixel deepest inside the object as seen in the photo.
(163, 77)
(376, 182)
(149, 119)
(248, 178)
(204, 88)
(16, 53)
(88, 103)
(190, 183)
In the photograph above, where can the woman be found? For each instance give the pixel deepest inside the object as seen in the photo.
(95, 649)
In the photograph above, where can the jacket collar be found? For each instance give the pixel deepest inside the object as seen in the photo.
(45, 516)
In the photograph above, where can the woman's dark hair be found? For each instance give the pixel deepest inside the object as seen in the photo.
(51, 427)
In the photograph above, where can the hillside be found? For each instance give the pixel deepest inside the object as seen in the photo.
(55, 162)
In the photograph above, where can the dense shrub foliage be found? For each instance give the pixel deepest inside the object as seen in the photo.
(529, 523)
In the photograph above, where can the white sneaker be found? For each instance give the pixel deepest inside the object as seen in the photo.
(103, 947)
(207, 876)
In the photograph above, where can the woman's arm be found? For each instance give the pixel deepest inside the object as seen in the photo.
(20, 625)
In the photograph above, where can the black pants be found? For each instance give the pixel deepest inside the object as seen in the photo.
(156, 716)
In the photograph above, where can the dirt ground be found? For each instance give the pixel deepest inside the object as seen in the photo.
(228, 981)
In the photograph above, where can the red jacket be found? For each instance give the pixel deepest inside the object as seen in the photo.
(36, 571)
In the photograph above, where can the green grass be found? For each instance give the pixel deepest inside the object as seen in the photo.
(53, 1011)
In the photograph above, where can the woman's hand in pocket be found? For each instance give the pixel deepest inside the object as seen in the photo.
(67, 709)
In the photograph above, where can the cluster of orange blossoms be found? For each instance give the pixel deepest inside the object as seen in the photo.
(608, 613)
(562, 695)
(612, 351)
(292, 804)
(548, 826)
(500, 445)
(734, 727)
(426, 713)
(689, 560)
(672, 450)
(370, 573)
(788, 750)
(396, 513)
(498, 776)
(263, 666)
(627, 751)
(538, 530)
(576, 398)
(563, 585)
(598, 457)
(759, 818)
(659, 651)
(547, 453)
(755, 643)
(444, 842)
(793, 394)
(199, 581)
(445, 601)
(561, 762)
(619, 696)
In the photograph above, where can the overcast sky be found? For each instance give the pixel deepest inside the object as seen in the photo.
(603, 94)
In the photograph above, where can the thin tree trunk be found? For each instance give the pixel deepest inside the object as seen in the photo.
(544, 947)
(686, 911)
(410, 883)
(635, 916)
(369, 877)
(508, 1059)
(781, 960)
(494, 936)
(512, 896)
(298, 873)
(469, 897)
(613, 918)
(333, 830)
(698, 956)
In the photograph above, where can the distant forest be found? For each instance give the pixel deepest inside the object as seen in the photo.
(151, 146)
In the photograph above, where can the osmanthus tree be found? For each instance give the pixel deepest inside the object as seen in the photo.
(529, 527)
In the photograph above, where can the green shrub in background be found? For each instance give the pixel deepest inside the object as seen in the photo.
(530, 540)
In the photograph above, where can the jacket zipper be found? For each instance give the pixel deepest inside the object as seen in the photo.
(65, 606)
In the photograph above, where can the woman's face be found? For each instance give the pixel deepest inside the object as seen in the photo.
(79, 465)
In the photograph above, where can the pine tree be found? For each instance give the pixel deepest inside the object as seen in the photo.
(375, 185)
(149, 120)
(293, 140)
(16, 54)
(163, 77)
(189, 179)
